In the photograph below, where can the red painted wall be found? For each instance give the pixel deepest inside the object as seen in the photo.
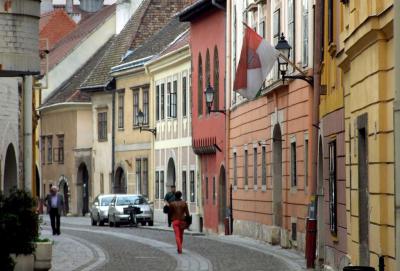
(208, 31)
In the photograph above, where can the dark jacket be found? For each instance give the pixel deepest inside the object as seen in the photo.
(60, 203)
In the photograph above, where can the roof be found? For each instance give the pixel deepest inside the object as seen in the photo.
(83, 29)
(181, 41)
(149, 18)
(198, 8)
(69, 91)
(157, 43)
(55, 25)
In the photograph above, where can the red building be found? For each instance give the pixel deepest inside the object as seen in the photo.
(207, 23)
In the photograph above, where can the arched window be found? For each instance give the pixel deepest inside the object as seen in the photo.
(200, 87)
(216, 79)
(208, 78)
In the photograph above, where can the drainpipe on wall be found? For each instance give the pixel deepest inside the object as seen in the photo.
(396, 127)
(113, 142)
(27, 102)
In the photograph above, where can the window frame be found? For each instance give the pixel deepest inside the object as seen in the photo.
(162, 103)
(264, 166)
(255, 167)
(293, 164)
(200, 87)
(192, 186)
(184, 95)
(245, 169)
(305, 33)
(157, 102)
(216, 78)
(60, 139)
(146, 108)
(138, 174)
(102, 126)
(157, 188)
(184, 184)
(49, 149)
(135, 109)
(121, 101)
(43, 149)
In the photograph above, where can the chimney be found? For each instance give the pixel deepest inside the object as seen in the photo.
(69, 6)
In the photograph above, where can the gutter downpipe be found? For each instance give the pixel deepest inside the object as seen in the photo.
(113, 142)
(396, 118)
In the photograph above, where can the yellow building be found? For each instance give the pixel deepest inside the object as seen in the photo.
(366, 60)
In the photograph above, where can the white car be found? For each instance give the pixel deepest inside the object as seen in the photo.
(99, 209)
(116, 215)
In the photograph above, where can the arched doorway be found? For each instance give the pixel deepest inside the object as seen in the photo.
(83, 185)
(171, 176)
(277, 175)
(10, 170)
(64, 190)
(222, 195)
(120, 184)
(320, 206)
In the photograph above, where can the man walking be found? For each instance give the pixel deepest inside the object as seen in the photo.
(168, 199)
(179, 211)
(55, 205)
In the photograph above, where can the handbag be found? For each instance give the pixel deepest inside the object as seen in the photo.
(188, 220)
(166, 209)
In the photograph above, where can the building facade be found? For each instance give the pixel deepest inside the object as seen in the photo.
(208, 128)
(366, 62)
(331, 186)
(270, 137)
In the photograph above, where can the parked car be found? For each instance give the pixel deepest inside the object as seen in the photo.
(116, 214)
(99, 209)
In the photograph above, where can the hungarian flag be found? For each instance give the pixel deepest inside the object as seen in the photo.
(256, 60)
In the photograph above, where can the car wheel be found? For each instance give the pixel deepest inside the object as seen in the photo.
(94, 222)
(109, 222)
(143, 223)
(150, 223)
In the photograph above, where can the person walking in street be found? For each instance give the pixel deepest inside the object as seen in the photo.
(168, 199)
(179, 211)
(55, 206)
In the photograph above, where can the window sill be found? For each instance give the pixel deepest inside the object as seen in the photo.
(246, 188)
(121, 129)
(293, 189)
(263, 188)
(255, 188)
(102, 140)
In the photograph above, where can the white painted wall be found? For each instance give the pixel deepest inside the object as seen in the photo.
(84, 132)
(79, 56)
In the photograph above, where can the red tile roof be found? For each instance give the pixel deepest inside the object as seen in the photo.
(83, 29)
(55, 25)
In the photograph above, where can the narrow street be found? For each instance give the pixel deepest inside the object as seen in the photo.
(85, 247)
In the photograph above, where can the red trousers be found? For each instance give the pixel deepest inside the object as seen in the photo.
(179, 227)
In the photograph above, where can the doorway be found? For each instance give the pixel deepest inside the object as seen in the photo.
(120, 184)
(83, 179)
(64, 190)
(222, 195)
(10, 170)
(277, 175)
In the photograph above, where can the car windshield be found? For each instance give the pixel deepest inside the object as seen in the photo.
(128, 200)
(106, 201)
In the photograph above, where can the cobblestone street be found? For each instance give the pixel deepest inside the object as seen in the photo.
(84, 247)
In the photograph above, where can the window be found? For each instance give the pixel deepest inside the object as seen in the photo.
(291, 29)
(264, 165)
(146, 106)
(200, 88)
(49, 149)
(174, 96)
(136, 107)
(169, 99)
(305, 33)
(145, 186)
(162, 184)
(43, 149)
(192, 187)
(255, 165)
(216, 79)
(139, 175)
(121, 110)
(206, 188)
(208, 77)
(294, 231)
(184, 191)
(276, 32)
(184, 96)
(157, 102)
(293, 169)
(102, 126)
(214, 191)
(332, 188)
(234, 169)
(162, 101)
(157, 195)
(330, 21)
(234, 37)
(246, 163)
(101, 183)
(60, 149)
(305, 164)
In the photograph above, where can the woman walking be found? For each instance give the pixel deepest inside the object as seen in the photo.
(179, 210)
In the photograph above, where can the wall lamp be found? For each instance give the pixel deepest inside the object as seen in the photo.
(283, 60)
(140, 118)
(210, 93)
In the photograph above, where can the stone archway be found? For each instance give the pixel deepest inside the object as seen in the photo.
(83, 189)
(171, 174)
(64, 190)
(120, 181)
(277, 175)
(10, 170)
(222, 195)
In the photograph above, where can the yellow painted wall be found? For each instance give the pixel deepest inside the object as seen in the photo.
(367, 62)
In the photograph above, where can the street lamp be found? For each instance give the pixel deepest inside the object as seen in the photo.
(209, 93)
(140, 118)
(283, 61)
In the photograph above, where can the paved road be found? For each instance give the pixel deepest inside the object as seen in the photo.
(126, 248)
